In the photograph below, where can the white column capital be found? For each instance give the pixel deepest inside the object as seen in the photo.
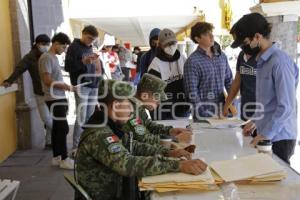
(289, 9)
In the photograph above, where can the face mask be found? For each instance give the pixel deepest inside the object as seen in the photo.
(250, 51)
(170, 50)
(44, 48)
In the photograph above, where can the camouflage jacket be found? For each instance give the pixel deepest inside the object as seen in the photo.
(103, 160)
(136, 126)
(152, 126)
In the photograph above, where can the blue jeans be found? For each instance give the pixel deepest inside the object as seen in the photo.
(86, 100)
(45, 116)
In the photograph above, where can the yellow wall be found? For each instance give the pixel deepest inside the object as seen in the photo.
(8, 138)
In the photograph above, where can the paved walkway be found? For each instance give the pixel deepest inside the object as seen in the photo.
(39, 180)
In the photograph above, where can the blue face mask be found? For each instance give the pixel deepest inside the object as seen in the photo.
(44, 48)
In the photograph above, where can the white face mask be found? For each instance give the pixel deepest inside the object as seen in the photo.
(44, 48)
(170, 50)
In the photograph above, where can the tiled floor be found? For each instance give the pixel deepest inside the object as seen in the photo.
(39, 180)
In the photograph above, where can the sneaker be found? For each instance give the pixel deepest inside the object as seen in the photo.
(56, 161)
(67, 163)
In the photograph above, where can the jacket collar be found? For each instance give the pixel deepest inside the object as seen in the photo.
(164, 57)
(98, 117)
(78, 41)
(216, 49)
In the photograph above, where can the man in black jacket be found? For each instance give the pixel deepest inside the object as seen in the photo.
(147, 58)
(30, 63)
(84, 68)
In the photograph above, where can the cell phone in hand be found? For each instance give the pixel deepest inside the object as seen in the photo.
(94, 56)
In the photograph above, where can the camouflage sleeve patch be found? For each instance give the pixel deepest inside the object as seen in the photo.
(114, 148)
(111, 139)
(135, 121)
(140, 130)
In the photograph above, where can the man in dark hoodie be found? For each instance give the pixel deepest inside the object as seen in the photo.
(84, 67)
(147, 58)
(30, 63)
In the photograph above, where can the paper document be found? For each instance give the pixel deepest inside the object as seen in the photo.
(83, 84)
(225, 122)
(180, 123)
(12, 88)
(130, 65)
(180, 177)
(257, 168)
(179, 182)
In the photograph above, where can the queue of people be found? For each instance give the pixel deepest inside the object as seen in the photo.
(116, 142)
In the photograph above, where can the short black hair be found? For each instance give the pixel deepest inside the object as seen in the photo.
(91, 30)
(115, 47)
(248, 26)
(200, 28)
(109, 99)
(42, 38)
(137, 48)
(139, 90)
(61, 38)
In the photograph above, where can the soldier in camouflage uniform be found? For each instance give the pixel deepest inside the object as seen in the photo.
(136, 126)
(150, 92)
(104, 155)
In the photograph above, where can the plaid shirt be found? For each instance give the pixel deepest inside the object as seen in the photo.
(205, 79)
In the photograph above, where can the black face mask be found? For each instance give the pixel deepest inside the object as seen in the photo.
(250, 51)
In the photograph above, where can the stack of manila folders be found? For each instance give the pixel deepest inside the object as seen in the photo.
(257, 168)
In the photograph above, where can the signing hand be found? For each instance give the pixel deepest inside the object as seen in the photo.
(257, 138)
(5, 84)
(225, 110)
(249, 128)
(195, 167)
(191, 148)
(178, 153)
(181, 134)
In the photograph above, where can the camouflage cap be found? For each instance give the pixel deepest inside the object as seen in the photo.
(153, 84)
(118, 89)
(135, 101)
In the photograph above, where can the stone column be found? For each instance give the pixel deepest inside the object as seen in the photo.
(21, 46)
(283, 15)
(285, 33)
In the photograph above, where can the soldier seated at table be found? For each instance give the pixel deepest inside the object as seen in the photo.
(150, 92)
(107, 155)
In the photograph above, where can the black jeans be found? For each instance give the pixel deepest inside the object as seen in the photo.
(284, 149)
(126, 72)
(60, 128)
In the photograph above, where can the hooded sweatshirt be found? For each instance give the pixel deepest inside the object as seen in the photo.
(147, 58)
(74, 65)
(170, 70)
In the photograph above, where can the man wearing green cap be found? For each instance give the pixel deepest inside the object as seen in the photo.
(150, 92)
(106, 155)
